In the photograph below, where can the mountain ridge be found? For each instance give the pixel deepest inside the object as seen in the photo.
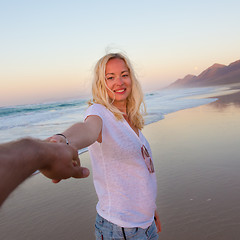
(217, 74)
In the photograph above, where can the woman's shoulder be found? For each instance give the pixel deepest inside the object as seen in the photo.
(97, 109)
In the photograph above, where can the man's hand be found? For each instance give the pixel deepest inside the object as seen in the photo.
(62, 162)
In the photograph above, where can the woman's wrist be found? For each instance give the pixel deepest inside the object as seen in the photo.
(60, 134)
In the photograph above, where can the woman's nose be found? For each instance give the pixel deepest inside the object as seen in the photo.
(119, 80)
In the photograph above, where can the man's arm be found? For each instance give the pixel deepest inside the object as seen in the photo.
(19, 159)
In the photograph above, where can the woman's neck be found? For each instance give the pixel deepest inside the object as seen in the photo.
(121, 107)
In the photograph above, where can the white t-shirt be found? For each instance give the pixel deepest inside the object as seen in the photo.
(126, 189)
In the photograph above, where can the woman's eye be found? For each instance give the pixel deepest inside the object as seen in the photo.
(125, 75)
(110, 78)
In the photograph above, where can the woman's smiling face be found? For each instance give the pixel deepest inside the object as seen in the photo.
(118, 81)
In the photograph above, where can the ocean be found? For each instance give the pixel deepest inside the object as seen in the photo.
(45, 119)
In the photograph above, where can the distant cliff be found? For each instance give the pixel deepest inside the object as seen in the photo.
(217, 74)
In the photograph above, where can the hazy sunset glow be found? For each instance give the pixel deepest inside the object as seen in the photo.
(48, 48)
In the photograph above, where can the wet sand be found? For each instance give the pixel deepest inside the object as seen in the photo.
(197, 160)
(198, 173)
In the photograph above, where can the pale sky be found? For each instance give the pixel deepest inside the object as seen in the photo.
(48, 48)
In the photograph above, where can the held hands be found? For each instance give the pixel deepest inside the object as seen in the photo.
(64, 161)
(58, 138)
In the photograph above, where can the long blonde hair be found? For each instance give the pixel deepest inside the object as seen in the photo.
(135, 101)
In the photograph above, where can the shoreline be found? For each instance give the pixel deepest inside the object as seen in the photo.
(233, 98)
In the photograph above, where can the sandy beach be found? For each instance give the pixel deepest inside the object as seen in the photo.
(196, 155)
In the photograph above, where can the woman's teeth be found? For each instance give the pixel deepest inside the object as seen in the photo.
(120, 91)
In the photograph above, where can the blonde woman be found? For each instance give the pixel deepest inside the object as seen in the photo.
(123, 171)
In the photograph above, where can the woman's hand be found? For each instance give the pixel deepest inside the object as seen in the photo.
(56, 139)
(157, 221)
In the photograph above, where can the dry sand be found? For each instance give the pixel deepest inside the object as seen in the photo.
(196, 155)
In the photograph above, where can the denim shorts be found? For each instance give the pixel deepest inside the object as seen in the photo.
(105, 230)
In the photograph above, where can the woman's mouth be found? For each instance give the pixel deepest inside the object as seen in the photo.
(120, 91)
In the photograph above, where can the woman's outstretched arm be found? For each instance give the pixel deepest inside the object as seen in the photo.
(82, 134)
